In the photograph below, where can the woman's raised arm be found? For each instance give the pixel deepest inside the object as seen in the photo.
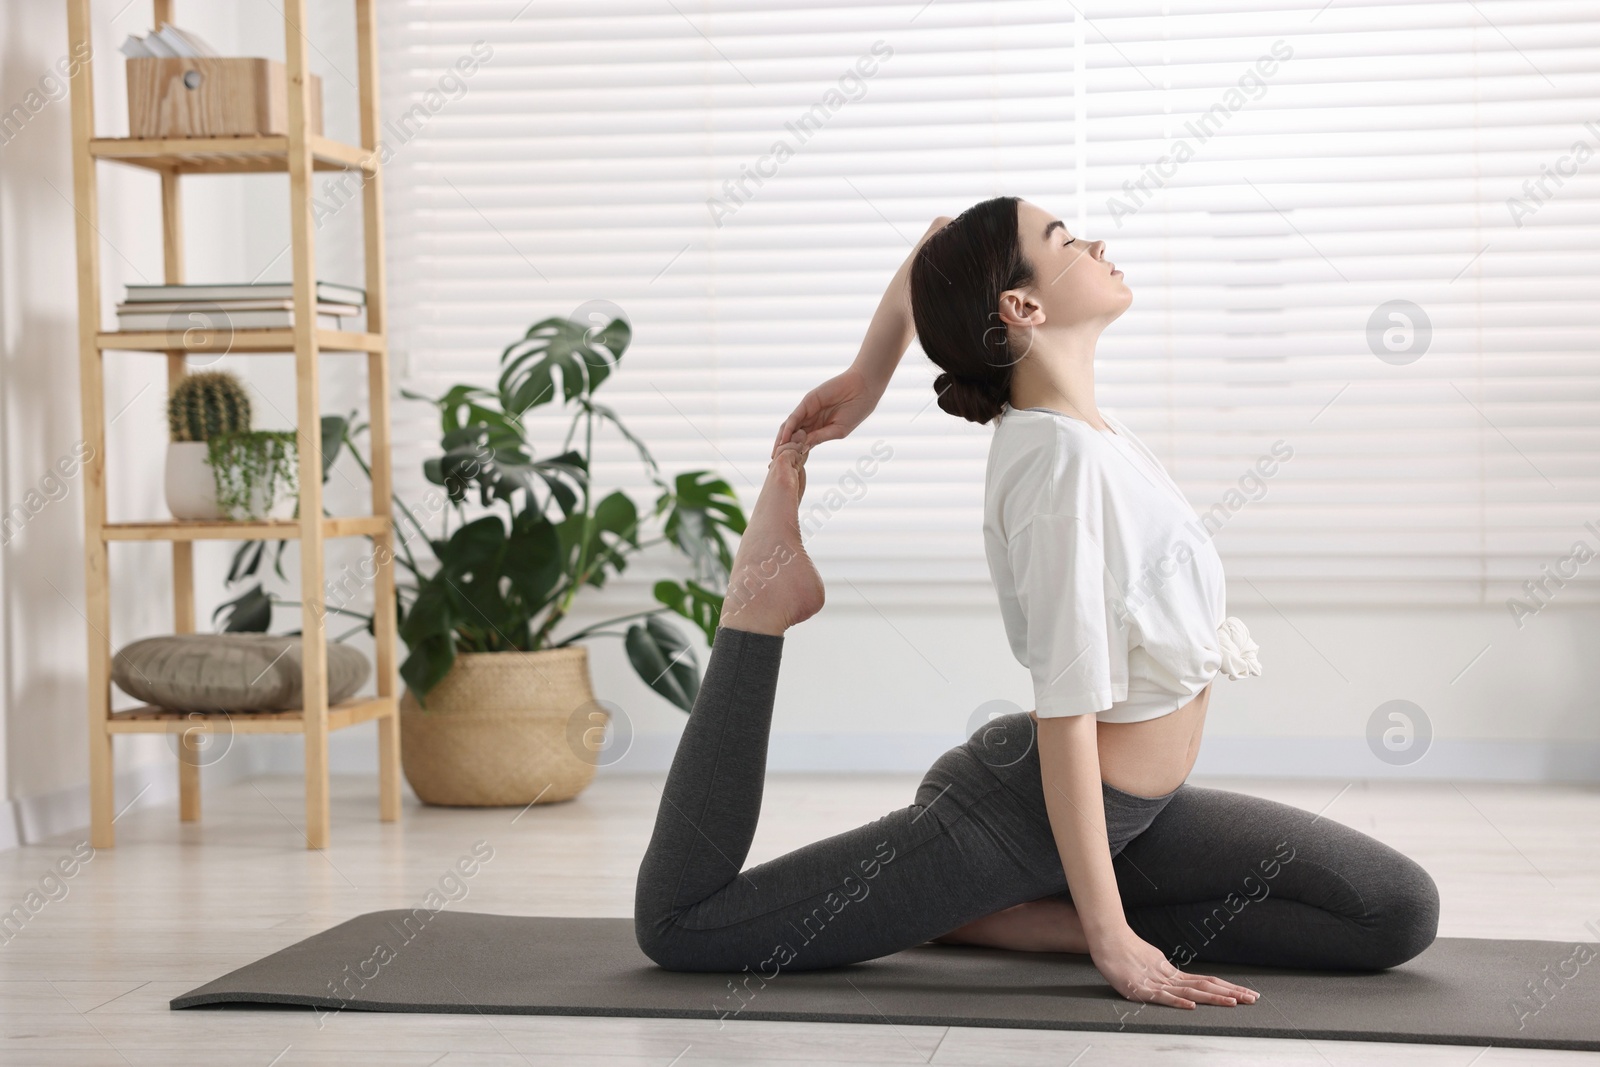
(840, 404)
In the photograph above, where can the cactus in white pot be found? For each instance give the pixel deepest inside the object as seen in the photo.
(219, 468)
(203, 405)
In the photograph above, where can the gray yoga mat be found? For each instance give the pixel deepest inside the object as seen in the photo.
(1461, 991)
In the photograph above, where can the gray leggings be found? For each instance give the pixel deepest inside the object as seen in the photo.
(1207, 876)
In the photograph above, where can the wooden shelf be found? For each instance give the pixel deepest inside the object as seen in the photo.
(265, 530)
(221, 342)
(153, 720)
(298, 155)
(227, 155)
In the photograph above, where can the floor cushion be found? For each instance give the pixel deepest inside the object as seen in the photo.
(229, 672)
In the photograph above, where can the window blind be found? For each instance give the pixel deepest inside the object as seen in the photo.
(1347, 249)
(1317, 210)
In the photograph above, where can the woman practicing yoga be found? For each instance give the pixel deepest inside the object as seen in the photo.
(1067, 829)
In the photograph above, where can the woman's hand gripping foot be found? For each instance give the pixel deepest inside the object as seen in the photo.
(773, 584)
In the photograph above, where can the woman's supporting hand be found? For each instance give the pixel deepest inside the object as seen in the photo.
(1139, 971)
(832, 409)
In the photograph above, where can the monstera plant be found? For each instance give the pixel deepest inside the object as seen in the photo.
(499, 708)
(506, 580)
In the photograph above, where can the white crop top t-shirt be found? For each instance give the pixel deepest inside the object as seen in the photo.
(1111, 591)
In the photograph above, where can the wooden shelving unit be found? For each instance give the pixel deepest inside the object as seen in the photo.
(297, 155)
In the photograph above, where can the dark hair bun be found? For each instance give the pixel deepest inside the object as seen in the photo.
(955, 283)
(965, 399)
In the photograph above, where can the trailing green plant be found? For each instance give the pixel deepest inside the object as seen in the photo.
(507, 580)
(252, 468)
(206, 404)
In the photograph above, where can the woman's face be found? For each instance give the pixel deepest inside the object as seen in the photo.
(1074, 282)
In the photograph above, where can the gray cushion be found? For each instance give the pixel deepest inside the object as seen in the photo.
(229, 672)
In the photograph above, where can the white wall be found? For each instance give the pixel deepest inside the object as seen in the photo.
(882, 684)
(44, 628)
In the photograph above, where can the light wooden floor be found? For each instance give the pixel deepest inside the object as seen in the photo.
(87, 980)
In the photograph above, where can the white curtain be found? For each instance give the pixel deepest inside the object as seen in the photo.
(1361, 237)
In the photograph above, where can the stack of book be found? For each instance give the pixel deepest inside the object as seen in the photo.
(251, 306)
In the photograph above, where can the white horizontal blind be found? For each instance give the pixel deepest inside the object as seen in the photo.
(576, 162)
(579, 163)
(1369, 160)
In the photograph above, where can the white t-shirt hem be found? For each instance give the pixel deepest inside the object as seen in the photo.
(1079, 704)
(1166, 707)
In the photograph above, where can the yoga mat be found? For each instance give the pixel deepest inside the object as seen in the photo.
(1461, 991)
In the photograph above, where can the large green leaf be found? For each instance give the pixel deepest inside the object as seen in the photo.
(533, 560)
(250, 612)
(664, 660)
(615, 523)
(559, 353)
(475, 548)
(427, 663)
(459, 407)
(703, 510)
(472, 568)
(429, 616)
(499, 463)
(565, 476)
(333, 431)
(694, 602)
(483, 446)
(493, 459)
(617, 514)
(245, 561)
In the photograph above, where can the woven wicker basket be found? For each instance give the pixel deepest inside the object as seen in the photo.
(502, 728)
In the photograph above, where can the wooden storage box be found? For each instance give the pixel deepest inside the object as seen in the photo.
(231, 97)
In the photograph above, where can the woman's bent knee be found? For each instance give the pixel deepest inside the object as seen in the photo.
(665, 945)
(1404, 919)
(674, 947)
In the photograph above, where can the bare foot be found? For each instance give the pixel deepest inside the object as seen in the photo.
(773, 584)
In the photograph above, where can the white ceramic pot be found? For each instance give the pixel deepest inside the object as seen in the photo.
(191, 487)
